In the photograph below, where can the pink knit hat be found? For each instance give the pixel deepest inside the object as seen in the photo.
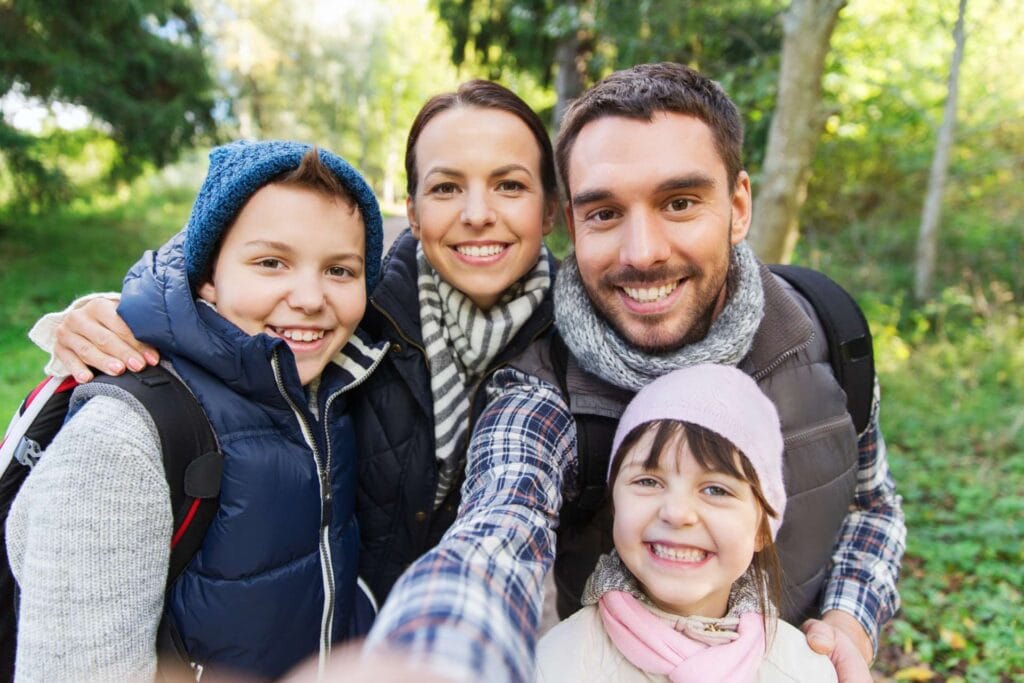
(726, 401)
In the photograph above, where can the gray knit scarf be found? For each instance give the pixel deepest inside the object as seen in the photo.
(611, 574)
(461, 341)
(601, 351)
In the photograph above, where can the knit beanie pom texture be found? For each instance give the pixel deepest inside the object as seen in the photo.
(726, 401)
(239, 169)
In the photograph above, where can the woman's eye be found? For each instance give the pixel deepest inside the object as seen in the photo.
(339, 271)
(646, 482)
(271, 263)
(510, 186)
(444, 188)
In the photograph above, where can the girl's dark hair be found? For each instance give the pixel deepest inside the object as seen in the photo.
(485, 95)
(714, 452)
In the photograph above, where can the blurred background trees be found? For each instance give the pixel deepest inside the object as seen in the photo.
(108, 110)
(139, 68)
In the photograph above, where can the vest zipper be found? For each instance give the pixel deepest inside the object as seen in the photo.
(779, 360)
(326, 567)
(324, 477)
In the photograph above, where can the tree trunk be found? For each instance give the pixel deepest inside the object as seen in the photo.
(795, 129)
(568, 79)
(932, 210)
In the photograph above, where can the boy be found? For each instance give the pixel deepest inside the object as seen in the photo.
(255, 306)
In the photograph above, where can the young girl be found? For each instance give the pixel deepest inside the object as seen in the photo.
(690, 592)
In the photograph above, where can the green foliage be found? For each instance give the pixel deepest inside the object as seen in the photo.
(952, 377)
(346, 74)
(886, 84)
(137, 65)
(953, 416)
(52, 257)
(736, 42)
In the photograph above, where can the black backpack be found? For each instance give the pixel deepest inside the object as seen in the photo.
(850, 355)
(192, 462)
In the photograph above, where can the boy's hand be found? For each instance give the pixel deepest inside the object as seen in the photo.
(841, 637)
(94, 335)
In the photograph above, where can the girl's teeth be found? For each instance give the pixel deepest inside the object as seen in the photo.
(679, 554)
(302, 335)
(648, 294)
(474, 251)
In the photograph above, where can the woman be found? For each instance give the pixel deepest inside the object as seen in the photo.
(462, 293)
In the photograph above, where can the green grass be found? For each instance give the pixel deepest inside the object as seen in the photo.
(49, 259)
(954, 419)
(953, 406)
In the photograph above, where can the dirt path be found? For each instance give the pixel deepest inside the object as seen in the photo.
(393, 225)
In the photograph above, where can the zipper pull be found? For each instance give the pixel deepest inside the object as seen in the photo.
(326, 507)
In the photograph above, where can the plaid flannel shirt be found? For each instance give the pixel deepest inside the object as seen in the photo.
(470, 608)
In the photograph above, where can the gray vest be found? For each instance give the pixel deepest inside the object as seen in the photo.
(789, 361)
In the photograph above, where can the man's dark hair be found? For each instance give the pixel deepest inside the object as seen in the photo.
(644, 90)
(484, 95)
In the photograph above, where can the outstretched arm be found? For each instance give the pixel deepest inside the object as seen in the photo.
(89, 333)
(470, 608)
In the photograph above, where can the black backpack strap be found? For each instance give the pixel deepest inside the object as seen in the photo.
(848, 335)
(193, 465)
(594, 437)
(192, 460)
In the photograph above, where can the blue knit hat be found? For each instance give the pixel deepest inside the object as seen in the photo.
(238, 170)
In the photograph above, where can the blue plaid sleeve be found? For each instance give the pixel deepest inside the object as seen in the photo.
(867, 557)
(470, 608)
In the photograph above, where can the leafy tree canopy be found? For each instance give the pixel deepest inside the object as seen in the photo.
(137, 65)
(736, 43)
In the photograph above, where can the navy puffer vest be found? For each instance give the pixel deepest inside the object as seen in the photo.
(275, 578)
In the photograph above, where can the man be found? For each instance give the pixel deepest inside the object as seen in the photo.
(658, 209)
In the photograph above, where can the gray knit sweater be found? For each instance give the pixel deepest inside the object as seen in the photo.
(88, 538)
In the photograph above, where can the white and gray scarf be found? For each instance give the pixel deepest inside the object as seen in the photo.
(601, 351)
(461, 341)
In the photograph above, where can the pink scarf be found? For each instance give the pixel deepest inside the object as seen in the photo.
(652, 645)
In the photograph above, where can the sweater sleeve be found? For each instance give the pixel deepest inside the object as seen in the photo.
(88, 539)
(44, 333)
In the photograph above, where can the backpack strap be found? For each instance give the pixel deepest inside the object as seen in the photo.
(193, 465)
(594, 437)
(192, 460)
(847, 333)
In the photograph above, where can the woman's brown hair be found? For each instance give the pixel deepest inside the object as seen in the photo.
(485, 95)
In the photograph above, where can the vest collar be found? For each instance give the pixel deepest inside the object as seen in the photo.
(785, 329)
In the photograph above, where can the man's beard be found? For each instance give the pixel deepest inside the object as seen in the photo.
(705, 302)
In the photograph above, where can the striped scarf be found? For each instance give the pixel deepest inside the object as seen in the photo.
(461, 341)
